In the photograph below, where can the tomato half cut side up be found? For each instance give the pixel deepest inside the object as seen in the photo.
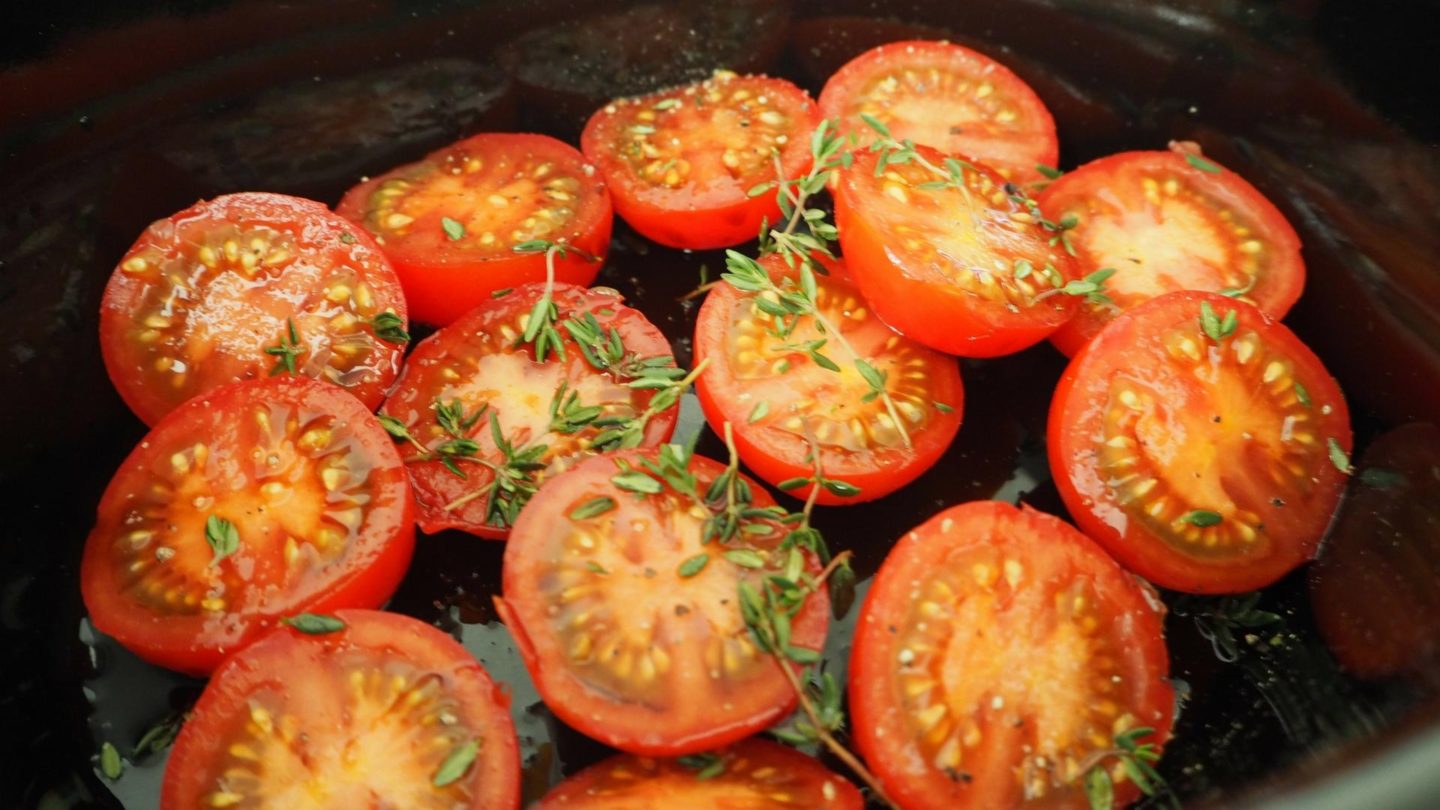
(475, 380)
(948, 97)
(370, 709)
(681, 162)
(1201, 443)
(779, 398)
(754, 773)
(245, 286)
(247, 504)
(998, 655)
(450, 223)
(1382, 561)
(1169, 221)
(972, 270)
(630, 624)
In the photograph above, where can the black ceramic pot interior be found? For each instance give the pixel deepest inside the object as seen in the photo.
(109, 122)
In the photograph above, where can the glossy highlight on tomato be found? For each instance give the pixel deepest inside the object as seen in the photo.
(385, 711)
(681, 162)
(1201, 443)
(209, 296)
(948, 97)
(971, 270)
(1169, 221)
(998, 654)
(311, 486)
(779, 399)
(754, 773)
(450, 223)
(627, 640)
(478, 366)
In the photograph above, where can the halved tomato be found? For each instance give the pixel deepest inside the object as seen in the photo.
(1201, 443)
(751, 775)
(247, 504)
(451, 222)
(361, 709)
(1376, 587)
(779, 399)
(475, 380)
(998, 656)
(972, 270)
(948, 97)
(247, 285)
(1168, 221)
(681, 162)
(629, 621)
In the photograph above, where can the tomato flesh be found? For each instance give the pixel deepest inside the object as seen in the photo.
(365, 716)
(625, 647)
(477, 363)
(777, 398)
(1164, 224)
(948, 97)
(970, 271)
(754, 774)
(315, 492)
(1203, 465)
(201, 295)
(1373, 588)
(450, 223)
(997, 652)
(681, 162)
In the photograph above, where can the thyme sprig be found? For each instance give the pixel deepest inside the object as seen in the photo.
(512, 481)
(768, 610)
(540, 329)
(287, 350)
(792, 299)
(1220, 621)
(1137, 760)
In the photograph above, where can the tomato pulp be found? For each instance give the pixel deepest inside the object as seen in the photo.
(779, 398)
(252, 502)
(1168, 221)
(476, 386)
(948, 97)
(366, 709)
(681, 162)
(245, 286)
(998, 655)
(451, 223)
(1201, 443)
(629, 622)
(951, 255)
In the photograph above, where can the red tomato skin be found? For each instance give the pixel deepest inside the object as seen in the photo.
(756, 752)
(1133, 548)
(441, 287)
(205, 730)
(431, 481)
(123, 293)
(584, 709)
(197, 647)
(938, 315)
(835, 96)
(873, 714)
(1282, 286)
(773, 460)
(732, 218)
